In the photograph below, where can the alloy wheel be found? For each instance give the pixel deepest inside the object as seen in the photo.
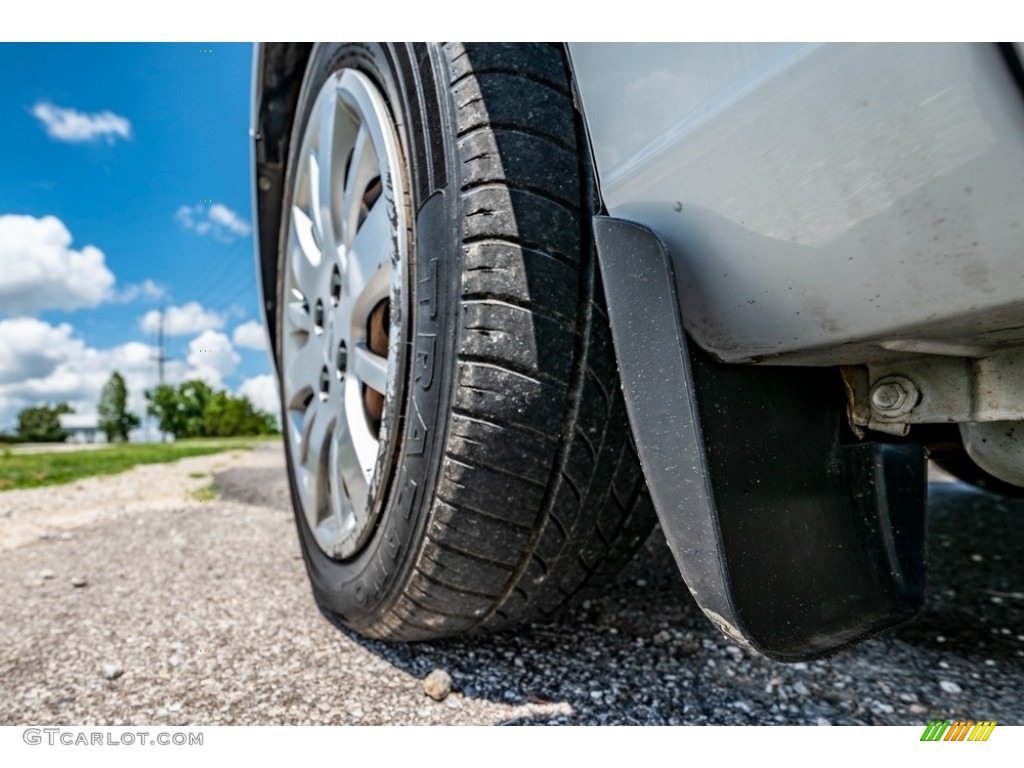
(346, 257)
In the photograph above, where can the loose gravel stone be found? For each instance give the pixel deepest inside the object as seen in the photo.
(212, 623)
(949, 687)
(881, 708)
(437, 685)
(46, 574)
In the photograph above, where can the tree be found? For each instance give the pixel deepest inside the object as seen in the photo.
(41, 423)
(194, 410)
(181, 411)
(228, 416)
(163, 403)
(115, 419)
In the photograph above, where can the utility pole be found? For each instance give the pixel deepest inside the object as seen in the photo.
(161, 358)
(160, 344)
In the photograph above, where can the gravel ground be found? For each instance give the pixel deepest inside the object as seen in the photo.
(189, 612)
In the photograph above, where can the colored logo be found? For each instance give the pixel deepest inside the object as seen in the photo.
(959, 730)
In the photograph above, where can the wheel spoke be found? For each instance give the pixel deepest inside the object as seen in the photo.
(355, 481)
(340, 506)
(318, 419)
(362, 169)
(315, 204)
(297, 316)
(302, 370)
(304, 256)
(370, 368)
(372, 246)
(304, 235)
(321, 183)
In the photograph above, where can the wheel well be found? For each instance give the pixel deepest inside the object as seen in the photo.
(278, 73)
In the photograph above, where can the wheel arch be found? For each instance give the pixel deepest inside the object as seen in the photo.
(277, 72)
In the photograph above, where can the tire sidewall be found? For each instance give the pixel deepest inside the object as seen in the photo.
(359, 588)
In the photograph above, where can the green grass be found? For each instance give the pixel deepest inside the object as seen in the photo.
(206, 493)
(38, 469)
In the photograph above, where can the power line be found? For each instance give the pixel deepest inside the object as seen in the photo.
(224, 280)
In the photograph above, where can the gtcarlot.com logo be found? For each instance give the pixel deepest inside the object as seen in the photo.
(958, 730)
(79, 738)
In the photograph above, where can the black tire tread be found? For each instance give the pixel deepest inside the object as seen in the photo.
(540, 497)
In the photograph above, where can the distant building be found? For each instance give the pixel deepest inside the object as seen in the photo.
(149, 432)
(82, 428)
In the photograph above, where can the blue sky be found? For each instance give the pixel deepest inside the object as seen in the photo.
(138, 153)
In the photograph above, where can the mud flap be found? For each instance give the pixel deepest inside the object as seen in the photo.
(793, 541)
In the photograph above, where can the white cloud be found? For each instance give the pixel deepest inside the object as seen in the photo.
(67, 124)
(211, 358)
(42, 363)
(250, 335)
(186, 217)
(39, 270)
(219, 220)
(231, 221)
(31, 349)
(262, 393)
(182, 320)
(147, 290)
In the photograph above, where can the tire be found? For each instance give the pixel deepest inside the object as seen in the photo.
(503, 481)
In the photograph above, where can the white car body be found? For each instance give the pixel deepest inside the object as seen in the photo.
(822, 204)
